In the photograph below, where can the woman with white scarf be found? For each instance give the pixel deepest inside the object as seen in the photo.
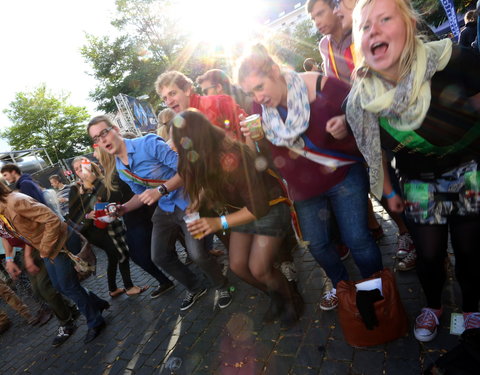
(414, 98)
(325, 176)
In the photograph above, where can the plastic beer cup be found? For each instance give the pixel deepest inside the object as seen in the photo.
(190, 218)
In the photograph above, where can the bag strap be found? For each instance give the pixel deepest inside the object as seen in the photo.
(414, 141)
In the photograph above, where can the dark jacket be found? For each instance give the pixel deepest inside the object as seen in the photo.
(28, 187)
(468, 34)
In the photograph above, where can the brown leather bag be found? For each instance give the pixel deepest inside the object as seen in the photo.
(391, 315)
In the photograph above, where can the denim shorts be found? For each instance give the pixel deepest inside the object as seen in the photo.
(276, 223)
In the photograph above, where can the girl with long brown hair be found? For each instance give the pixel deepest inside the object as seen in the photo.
(223, 175)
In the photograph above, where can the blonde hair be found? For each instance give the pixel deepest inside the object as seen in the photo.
(95, 169)
(107, 161)
(410, 18)
(257, 61)
(164, 118)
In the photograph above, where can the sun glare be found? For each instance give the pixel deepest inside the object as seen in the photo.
(220, 22)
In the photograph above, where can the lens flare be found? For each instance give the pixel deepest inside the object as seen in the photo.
(186, 143)
(192, 156)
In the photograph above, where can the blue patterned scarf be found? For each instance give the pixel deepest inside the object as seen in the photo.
(287, 133)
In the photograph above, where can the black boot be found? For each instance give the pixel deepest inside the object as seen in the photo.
(275, 308)
(292, 310)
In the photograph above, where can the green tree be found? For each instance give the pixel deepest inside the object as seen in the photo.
(41, 119)
(293, 46)
(149, 42)
(120, 66)
(434, 14)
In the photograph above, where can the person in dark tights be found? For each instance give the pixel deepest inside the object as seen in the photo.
(416, 99)
(82, 199)
(138, 222)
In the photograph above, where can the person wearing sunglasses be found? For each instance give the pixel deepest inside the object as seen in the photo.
(177, 92)
(217, 82)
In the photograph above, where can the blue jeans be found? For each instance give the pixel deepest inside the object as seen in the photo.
(166, 229)
(348, 201)
(64, 279)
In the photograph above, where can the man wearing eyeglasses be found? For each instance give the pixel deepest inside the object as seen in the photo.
(177, 92)
(149, 166)
(217, 82)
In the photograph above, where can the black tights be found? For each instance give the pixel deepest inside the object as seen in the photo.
(101, 239)
(431, 242)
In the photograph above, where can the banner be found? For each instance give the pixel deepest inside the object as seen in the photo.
(452, 17)
(145, 119)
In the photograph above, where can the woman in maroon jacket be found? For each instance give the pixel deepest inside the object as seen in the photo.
(325, 176)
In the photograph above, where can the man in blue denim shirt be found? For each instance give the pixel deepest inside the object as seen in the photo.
(149, 166)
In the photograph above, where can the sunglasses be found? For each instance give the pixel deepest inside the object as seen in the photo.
(101, 135)
(205, 90)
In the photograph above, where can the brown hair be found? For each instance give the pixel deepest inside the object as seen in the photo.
(310, 3)
(98, 119)
(11, 168)
(4, 191)
(55, 177)
(217, 77)
(470, 16)
(200, 146)
(170, 78)
(257, 61)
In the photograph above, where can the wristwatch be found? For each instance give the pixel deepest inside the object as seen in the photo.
(162, 189)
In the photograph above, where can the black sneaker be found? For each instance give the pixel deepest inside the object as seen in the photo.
(161, 289)
(190, 299)
(64, 333)
(224, 298)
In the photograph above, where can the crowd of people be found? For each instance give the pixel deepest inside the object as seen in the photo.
(325, 150)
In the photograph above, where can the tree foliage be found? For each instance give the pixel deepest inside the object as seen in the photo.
(293, 46)
(432, 10)
(41, 119)
(150, 42)
(120, 66)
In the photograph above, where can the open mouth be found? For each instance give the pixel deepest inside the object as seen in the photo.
(176, 108)
(108, 147)
(267, 102)
(379, 48)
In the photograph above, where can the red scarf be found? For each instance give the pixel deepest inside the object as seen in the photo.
(221, 111)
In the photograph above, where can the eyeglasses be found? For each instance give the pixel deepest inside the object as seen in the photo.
(101, 135)
(205, 90)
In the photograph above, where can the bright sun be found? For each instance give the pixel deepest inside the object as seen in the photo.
(220, 22)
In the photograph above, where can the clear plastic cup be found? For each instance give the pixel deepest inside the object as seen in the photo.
(190, 218)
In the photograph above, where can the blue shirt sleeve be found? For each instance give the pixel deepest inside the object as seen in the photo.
(157, 148)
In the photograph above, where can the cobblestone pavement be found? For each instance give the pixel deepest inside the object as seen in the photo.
(146, 336)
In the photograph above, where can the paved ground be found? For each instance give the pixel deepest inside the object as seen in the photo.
(146, 336)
